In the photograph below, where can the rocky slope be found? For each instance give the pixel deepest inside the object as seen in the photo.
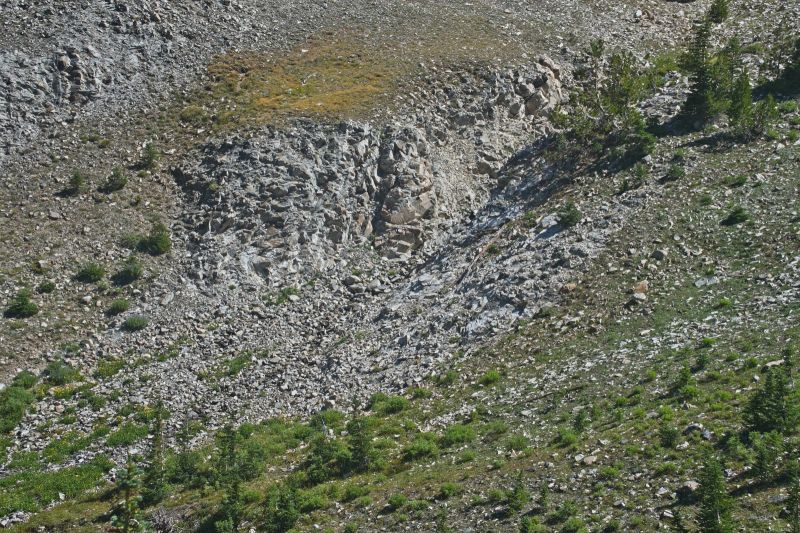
(332, 240)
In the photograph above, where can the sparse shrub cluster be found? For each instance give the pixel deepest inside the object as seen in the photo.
(21, 306)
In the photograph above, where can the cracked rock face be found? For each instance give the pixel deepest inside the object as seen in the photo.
(278, 206)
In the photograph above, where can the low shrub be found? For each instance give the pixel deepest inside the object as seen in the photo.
(21, 306)
(490, 378)
(131, 270)
(119, 306)
(60, 373)
(157, 242)
(457, 434)
(115, 182)
(569, 215)
(135, 323)
(90, 273)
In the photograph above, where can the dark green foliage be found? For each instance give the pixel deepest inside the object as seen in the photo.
(150, 156)
(155, 478)
(119, 306)
(229, 471)
(737, 215)
(569, 215)
(326, 459)
(765, 113)
(668, 437)
(90, 273)
(281, 511)
(740, 110)
(774, 406)
(363, 455)
(115, 182)
(397, 501)
(127, 517)
(60, 373)
(131, 271)
(793, 503)
(423, 446)
(387, 405)
(77, 183)
(519, 495)
(768, 450)
(718, 11)
(674, 172)
(157, 242)
(457, 434)
(46, 287)
(700, 103)
(605, 124)
(14, 401)
(714, 515)
(21, 306)
(135, 323)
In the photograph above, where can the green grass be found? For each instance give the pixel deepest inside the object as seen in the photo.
(127, 434)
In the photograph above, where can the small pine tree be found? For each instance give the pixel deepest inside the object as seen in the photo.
(793, 503)
(229, 477)
(768, 451)
(773, 407)
(128, 482)
(281, 509)
(700, 102)
(362, 450)
(155, 475)
(678, 523)
(741, 108)
(715, 503)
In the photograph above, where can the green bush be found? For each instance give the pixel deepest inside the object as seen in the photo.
(490, 378)
(387, 405)
(131, 271)
(77, 183)
(157, 242)
(569, 215)
(135, 323)
(397, 501)
(281, 512)
(21, 306)
(46, 287)
(90, 273)
(14, 401)
(60, 373)
(150, 156)
(517, 443)
(423, 446)
(675, 172)
(567, 437)
(738, 215)
(457, 434)
(668, 437)
(119, 306)
(448, 490)
(115, 182)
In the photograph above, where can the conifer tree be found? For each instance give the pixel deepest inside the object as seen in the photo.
(155, 476)
(128, 482)
(700, 102)
(793, 503)
(773, 406)
(741, 108)
(715, 503)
